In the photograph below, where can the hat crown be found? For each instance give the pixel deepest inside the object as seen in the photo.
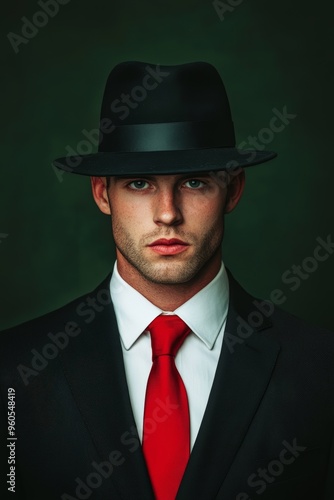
(191, 96)
(156, 93)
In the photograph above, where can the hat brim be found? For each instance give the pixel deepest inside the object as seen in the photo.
(162, 162)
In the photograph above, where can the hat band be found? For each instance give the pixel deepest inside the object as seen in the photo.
(145, 137)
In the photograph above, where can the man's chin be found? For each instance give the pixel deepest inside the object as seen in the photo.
(170, 273)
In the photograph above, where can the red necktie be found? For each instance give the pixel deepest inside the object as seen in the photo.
(166, 435)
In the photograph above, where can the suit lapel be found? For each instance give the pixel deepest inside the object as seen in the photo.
(242, 376)
(93, 365)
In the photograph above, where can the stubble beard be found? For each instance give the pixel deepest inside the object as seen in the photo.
(169, 269)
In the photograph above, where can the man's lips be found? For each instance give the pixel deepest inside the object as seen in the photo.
(173, 246)
(164, 241)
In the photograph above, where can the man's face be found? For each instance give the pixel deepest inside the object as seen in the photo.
(185, 211)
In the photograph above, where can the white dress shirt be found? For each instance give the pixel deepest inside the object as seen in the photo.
(205, 314)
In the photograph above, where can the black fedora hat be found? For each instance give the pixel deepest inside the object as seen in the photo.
(164, 120)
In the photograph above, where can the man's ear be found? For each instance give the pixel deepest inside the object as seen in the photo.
(235, 189)
(100, 194)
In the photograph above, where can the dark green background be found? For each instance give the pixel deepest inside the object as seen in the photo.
(270, 54)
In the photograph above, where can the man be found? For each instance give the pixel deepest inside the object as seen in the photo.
(168, 380)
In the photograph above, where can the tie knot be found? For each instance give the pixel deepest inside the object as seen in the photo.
(167, 334)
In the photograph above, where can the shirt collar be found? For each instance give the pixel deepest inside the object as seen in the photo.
(204, 313)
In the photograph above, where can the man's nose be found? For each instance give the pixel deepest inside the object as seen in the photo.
(167, 208)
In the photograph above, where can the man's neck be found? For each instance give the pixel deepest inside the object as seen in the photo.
(169, 297)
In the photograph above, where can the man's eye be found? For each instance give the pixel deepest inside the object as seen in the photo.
(139, 184)
(195, 183)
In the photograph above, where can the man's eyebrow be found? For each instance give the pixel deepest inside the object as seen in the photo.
(133, 176)
(205, 175)
(197, 174)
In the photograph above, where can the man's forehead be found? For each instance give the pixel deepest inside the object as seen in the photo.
(212, 175)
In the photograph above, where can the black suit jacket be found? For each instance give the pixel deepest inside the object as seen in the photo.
(267, 431)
